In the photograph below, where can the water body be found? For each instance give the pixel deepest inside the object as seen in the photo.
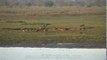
(51, 54)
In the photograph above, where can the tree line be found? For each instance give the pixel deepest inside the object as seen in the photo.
(51, 3)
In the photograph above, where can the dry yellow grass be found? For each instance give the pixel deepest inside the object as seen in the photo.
(35, 11)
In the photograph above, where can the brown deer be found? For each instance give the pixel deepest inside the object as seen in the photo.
(44, 27)
(67, 29)
(82, 28)
(60, 29)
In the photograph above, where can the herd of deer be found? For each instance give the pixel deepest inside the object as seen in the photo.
(45, 29)
(40, 29)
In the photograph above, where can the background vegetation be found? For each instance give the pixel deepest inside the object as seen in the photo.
(50, 3)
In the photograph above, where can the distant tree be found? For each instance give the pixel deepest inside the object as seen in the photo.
(97, 2)
(103, 2)
(70, 3)
(17, 4)
(49, 3)
(29, 4)
(100, 2)
(90, 4)
(81, 3)
(4, 3)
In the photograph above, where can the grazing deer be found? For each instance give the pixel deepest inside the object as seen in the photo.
(52, 29)
(67, 29)
(60, 29)
(39, 29)
(82, 25)
(82, 28)
(43, 27)
(22, 29)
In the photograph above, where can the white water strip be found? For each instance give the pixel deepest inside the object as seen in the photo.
(51, 54)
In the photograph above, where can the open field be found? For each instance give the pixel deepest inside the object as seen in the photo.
(54, 11)
(22, 27)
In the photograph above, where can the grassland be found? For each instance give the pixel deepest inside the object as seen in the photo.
(57, 17)
(55, 11)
